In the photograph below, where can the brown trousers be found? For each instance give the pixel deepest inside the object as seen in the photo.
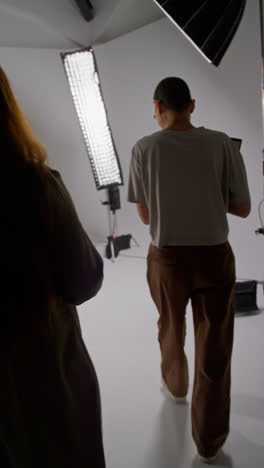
(206, 276)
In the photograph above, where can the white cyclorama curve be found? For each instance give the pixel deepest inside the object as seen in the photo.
(85, 88)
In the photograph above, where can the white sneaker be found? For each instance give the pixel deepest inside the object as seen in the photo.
(169, 395)
(208, 460)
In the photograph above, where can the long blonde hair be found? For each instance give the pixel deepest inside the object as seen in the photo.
(15, 128)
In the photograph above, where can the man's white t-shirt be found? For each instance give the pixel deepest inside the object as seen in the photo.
(188, 179)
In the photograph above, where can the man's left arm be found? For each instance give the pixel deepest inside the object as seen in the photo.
(136, 193)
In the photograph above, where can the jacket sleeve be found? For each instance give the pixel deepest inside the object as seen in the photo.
(77, 267)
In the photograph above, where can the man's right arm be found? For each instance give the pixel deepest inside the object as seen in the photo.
(241, 209)
(238, 183)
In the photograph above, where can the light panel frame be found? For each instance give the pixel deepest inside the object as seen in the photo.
(89, 104)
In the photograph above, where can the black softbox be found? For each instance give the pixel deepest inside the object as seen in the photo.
(210, 24)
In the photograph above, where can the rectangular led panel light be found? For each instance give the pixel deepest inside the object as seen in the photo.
(83, 78)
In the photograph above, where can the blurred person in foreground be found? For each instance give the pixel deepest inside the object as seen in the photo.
(184, 180)
(50, 411)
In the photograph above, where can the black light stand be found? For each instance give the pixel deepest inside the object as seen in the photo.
(83, 76)
(115, 243)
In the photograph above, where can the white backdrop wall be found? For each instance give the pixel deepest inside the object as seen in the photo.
(228, 98)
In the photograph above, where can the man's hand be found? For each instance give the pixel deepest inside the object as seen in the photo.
(143, 212)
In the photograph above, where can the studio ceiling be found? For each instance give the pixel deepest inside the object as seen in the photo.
(59, 23)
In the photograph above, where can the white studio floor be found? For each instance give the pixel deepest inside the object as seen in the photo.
(141, 428)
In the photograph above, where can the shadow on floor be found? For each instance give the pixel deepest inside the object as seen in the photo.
(223, 461)
(168, 446)
(171, 445)
(245, 452)
(252, 313)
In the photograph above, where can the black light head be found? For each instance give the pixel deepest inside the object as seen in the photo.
(86, 9)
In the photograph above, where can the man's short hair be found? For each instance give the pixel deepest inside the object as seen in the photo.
(174, 93)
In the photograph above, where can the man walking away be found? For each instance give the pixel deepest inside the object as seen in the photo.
(184, 180)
